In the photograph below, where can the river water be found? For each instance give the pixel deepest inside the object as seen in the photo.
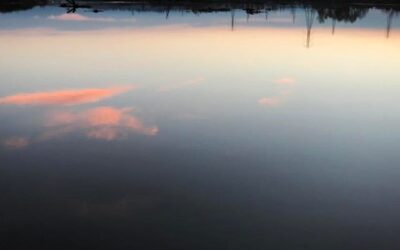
(145, 129)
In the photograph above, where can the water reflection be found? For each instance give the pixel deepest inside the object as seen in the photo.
(104, 123)
(184, 84)
(390, 15)
(64, 97)
(310, 15)
(286, 88)
(72, 6)
(336, 12)
(240, 139)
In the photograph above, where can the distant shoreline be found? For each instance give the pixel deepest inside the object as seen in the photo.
(197, 6)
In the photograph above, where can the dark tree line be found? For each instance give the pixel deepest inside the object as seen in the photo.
(336, 10)
(342, 13)
(340, 10)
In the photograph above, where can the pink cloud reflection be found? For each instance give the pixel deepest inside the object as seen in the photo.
(64, 97)
(105, 123)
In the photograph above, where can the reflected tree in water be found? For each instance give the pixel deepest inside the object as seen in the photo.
(167, 10)
(310, 15)
(72, 6)
(293, 12)
(341, 14)
(266, 14)
(232, 19)
(336, 11)
(391, 13)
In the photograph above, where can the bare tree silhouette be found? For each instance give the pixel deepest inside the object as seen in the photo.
(167, 10)
(71, 6)
(293, 11)
(310, 15)
(232, 19)
(390, 16)
(333, 19)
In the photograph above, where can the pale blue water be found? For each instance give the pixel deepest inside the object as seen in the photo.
(126, 130)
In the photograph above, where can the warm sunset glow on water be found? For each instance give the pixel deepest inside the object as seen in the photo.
(145, 126)
(64, 97)
(185, 48)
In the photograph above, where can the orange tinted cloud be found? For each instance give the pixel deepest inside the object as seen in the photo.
(104, 116)
(65, 97)
(16, 142)
(106, 123)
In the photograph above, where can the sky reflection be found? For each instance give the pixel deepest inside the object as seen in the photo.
(180, 133)
(103, 123)
(64, 97)
(107, 123)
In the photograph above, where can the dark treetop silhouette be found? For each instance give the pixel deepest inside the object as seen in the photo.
(334, 10)
(339, 10)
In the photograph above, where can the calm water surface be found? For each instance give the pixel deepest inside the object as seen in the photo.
(127, 130)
